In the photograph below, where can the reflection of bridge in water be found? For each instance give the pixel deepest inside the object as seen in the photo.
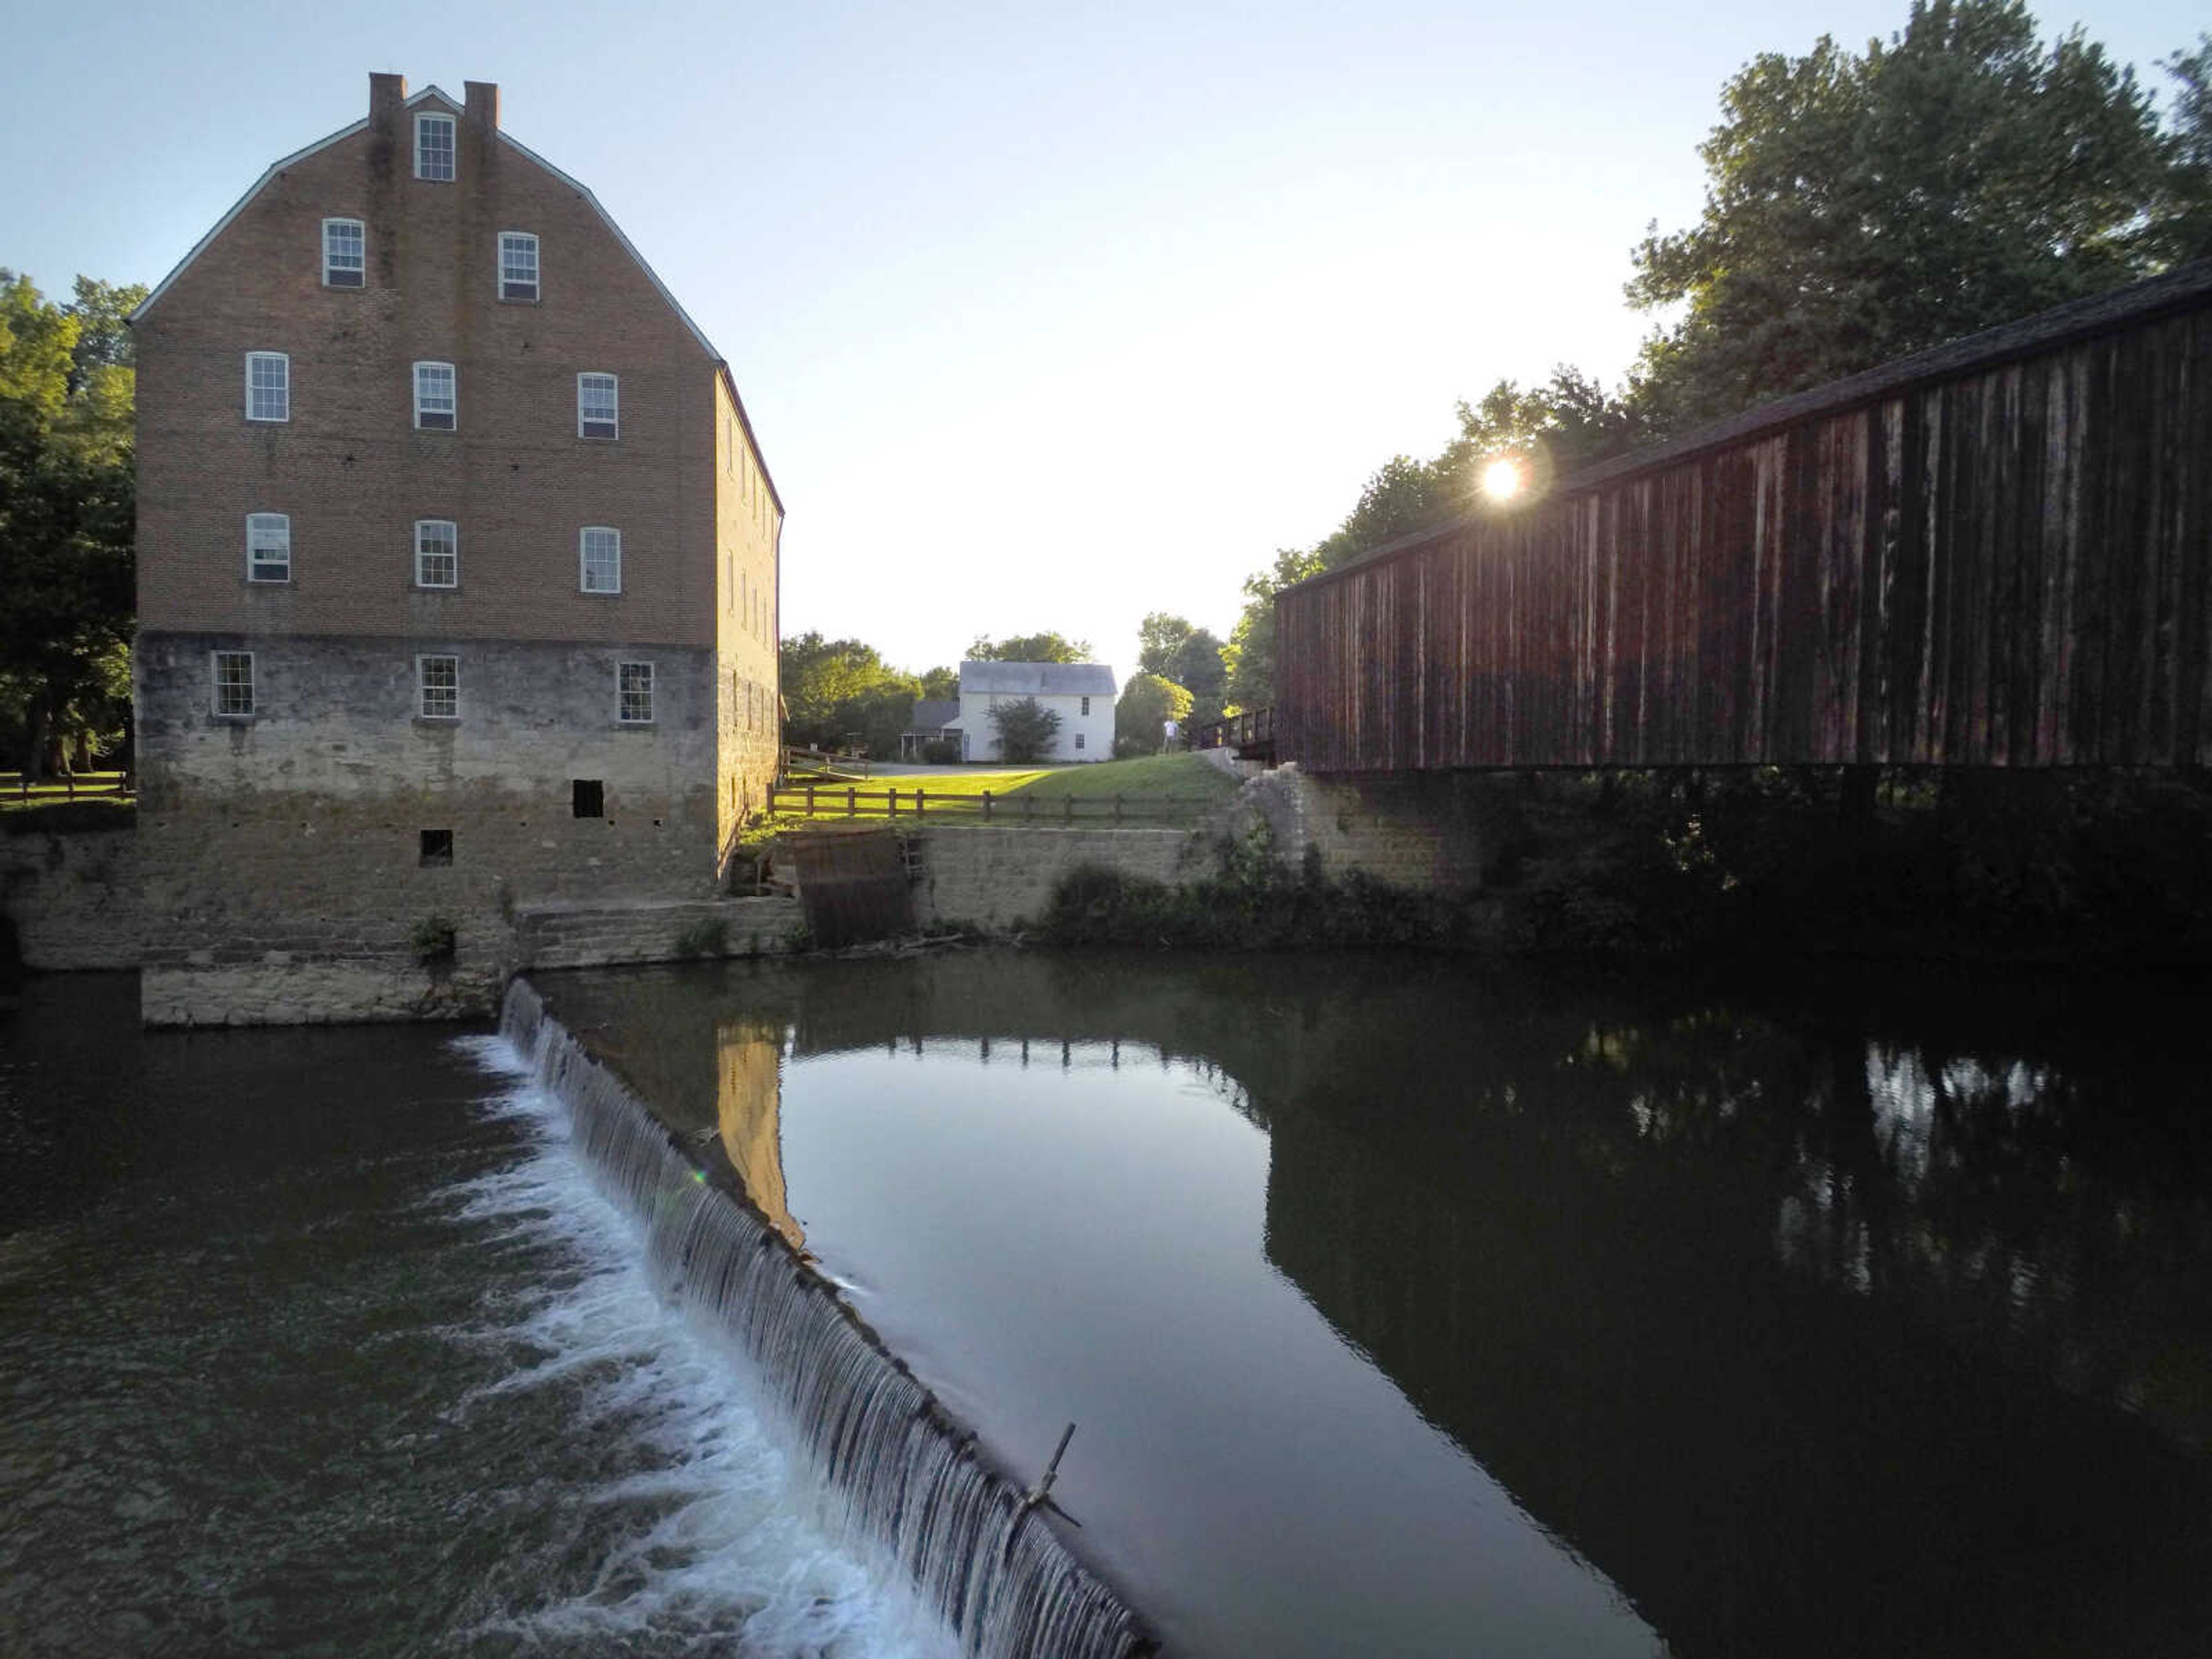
(1808, 1331)
(1993, 554)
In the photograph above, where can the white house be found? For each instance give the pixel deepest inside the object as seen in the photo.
(1081, 693)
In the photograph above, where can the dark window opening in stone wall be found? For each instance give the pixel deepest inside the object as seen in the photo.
(589, 798)
(437, 848)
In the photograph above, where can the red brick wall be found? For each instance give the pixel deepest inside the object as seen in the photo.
(350, 469)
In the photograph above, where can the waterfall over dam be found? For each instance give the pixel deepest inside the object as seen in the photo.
(904, 1477)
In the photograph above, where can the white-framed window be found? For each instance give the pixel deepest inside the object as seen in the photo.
(518, 264)
(434, 148)
(233, 672)
(1078, 739)
(435, 404)
(1086, 705)
(437, 553)
(634, 693)
(268, 387)
(599, 555)
(268, 547)
(345, 253)
(438, 685)
(598, 413)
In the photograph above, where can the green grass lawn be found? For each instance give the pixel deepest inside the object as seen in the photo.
(1192, 784)
(15, 798)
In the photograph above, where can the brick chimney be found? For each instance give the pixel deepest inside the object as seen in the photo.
(387, 96)
(481, 108)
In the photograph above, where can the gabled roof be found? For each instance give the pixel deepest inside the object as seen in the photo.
(1038, 679)
(933, 713)
(441, 96)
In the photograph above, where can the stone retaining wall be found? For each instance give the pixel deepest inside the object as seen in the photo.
(583, 935)
(1422, 832)
(73, 897)
(996, 878)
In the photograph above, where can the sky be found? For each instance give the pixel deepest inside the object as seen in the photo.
(1047, 316)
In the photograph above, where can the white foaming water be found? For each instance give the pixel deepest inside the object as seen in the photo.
(717, 1544)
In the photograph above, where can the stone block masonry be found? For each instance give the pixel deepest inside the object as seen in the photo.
(1424, 832)
(998, 878)
(73, 897)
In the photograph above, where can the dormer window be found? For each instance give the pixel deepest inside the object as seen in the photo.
(597, 412)
(518, 266)
(435, 400)
(346, 263)
(434, 148)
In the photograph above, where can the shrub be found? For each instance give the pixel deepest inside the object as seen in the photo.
(433, 939)
(709, 936)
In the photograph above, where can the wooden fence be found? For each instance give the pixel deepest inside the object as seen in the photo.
(849, 801)
(65, 788)
(1995, 554)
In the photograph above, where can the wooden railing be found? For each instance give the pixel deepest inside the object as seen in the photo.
(1253, 729)
(65, 788)
(828, 801)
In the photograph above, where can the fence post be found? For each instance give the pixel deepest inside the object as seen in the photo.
(987, 806)
(1067, 809)
(810, 800)
(852, 804)
(890, 810)
(1029, 803)
(920, 802)
(1117, 807)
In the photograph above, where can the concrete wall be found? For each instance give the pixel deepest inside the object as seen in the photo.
(585, 935)
(74, 897)
(998, 878)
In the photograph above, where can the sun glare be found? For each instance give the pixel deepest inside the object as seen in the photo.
(1501, 480)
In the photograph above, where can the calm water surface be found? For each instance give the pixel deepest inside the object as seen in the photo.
(319, 1342)
(1407, 1310)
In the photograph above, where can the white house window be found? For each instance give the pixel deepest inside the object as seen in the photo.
(601, 551)
(345, 262)
(268, 387)
(233, 682)
(1078, 739)
(433, 396)
(634, 693)
(268, 547)
(1086, 709)
(596, 412)
(433, 147)
(437, 553)
(518, 266)
(438, 680)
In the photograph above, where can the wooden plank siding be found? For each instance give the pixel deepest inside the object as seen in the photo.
(2000, 559)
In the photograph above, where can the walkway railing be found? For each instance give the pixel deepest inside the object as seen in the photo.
(1254, 729)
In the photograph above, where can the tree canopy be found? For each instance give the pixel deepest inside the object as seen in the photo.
(1029, 647)
(67, 516)
(1173, 649)
(1147, 703)
(1860, 207)
(842, 691)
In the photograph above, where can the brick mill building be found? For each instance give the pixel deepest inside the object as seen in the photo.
(456, 572)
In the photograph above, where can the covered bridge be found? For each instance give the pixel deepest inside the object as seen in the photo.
(1991, 554)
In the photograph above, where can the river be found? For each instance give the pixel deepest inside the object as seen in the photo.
(1401, 1307)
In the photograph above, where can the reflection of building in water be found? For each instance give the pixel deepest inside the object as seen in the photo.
(749, 1059)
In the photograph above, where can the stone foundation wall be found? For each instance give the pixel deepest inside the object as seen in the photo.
(997, 879)
(73, 897)
(591, 936)
(1422, 831)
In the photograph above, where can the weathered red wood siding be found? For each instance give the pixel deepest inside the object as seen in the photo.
(2002, 563)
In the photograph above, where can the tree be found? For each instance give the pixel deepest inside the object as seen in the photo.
(1147, 703)
(67, 509)
(840, 691)
(1029, 648)
(941, 684)
(2186, 230)
(1173, 649)
(1026, 727)
(1859, 208)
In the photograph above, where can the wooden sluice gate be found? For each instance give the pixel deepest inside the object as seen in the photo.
(852, 884)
